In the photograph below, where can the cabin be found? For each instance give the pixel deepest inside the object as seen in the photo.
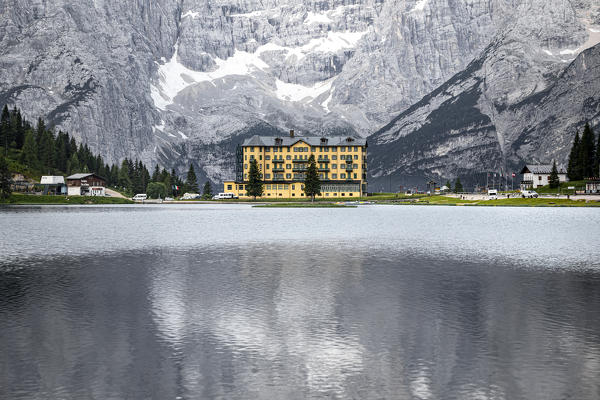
(54, 185)
(538, 175)
(86, 184)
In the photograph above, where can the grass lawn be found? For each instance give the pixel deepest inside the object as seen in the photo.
(562, 189)
(42, 200)
(513, 202)
(520, 202)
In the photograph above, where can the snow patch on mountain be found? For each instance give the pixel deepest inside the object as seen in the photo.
(293, 92)
(315, 18)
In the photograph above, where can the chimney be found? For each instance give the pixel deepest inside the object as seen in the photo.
(292, 133)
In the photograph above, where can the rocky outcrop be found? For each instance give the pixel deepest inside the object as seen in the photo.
(461, 129)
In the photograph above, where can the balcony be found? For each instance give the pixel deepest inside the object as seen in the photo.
(323, 160)
(277, 161)
(300, 161)
(278, 169)
(348, 161)
(326, 169)
(299, 169)
(277, 178)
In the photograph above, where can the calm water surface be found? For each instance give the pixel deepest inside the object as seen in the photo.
(234, 302)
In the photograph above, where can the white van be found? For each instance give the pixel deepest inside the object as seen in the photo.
(139, 197)
(223, 196)
(493, 193)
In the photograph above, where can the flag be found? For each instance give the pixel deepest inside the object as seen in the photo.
(513, 174)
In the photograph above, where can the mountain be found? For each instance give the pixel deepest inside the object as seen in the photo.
(512, 104)
(180, 81)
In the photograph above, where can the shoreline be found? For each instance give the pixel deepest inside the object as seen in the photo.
(32, 200)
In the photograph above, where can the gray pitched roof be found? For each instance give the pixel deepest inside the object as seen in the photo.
(84, 175)
(310, 140)
(542, 169)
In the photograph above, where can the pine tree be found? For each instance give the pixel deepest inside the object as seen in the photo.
(458, 187)
(5, 129)
(448, 185)
(587, 151)
(73, 165)
(156, 174)
(191, 183)
(254, 187)
(554, 180)
(312, 183)
(573, 170)
(29, 152)
(19, 130)
(46, 151)
(597, 167)
(124, 180)
(207, 190)
(5, 179)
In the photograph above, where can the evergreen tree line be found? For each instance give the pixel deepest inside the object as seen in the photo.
(42, 151)
(584, 158)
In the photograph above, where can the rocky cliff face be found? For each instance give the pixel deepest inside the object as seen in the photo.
(175, 81)
(520, 101)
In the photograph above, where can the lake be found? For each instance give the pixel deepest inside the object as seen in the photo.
(234, 302)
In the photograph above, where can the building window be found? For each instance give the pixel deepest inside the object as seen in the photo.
(288, 166)
(333, 176)
(334, 157)
(539, 178)
(293, 187)
(267, 149)
(267, 158)
(355, 148)
(342, 176)
(245, 166)
(252, 148)
(334, 148)
(356, 156)
(245, 177)
(355, 166)
(354, 176)
(268, 166)
(343, 166)
(260, 158)
(228, 187)
(267, 176)
(251, 157)
(288, 176)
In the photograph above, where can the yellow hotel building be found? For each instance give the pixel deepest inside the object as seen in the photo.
(283, 161)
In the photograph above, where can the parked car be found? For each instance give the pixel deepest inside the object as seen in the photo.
(140, 197)
(168, 199)
(529, 194)
(191, 196)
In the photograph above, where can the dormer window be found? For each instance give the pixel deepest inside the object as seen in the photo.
(323, 141)
(349, 139)
(278, 141)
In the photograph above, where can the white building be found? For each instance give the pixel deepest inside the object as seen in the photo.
(53, 184)
(86, 185)
(535, 176)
